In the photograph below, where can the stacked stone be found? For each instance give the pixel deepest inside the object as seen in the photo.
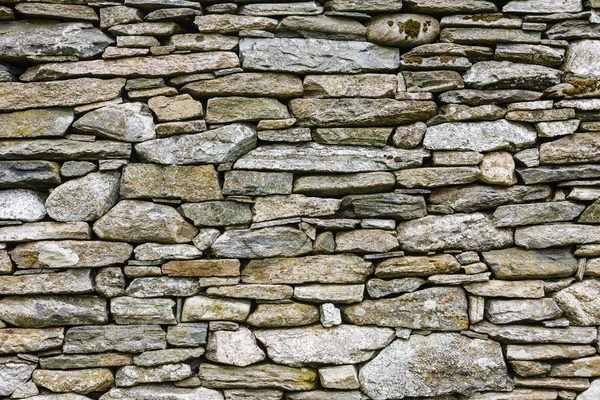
(341, 200)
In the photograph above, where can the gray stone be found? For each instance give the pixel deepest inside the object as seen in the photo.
(385, 205)
(202, 308)
(168, 356)
(139, 222)
(145, 29)
(314, 345)
(409, 136)
(298, 8)
(45, 311)
(516, 263)
(22, 205)
(168, 65)
(359, 112)
(363, 85)
(450, 7)
(294, 205)
(435, 177)
(325, 27)
(592, 392)
(247, 84)
(366, 241)
(579, 302)
(488, 36)
(234, 348)
(110, 16)
(511, 311)
(417, 266)
(256, 292)
(132, 375)
(337, 185)
(84, 199)
(536, 213)
(50, 122)
(19, 96)
(68, 282)
(580, 63)
(15, 340)
(23, 39)
(220, 145)
(456, 158)
(201, 268)
(380, 288)
(460, 365)
(459, 231)
(474, 97)
(77, 381)
(129, 122)
(62, 149)
(576, 148)
(508, 75)
(498, 168)
(479, 197)
(76, 169)
(110, 282)
(154, 251)
(314, 55)
(261, 243)
(217, 213)
(28, 174)
(499, 288)
(134, 311)
(45, 231)
(479, 136)
(446, 310)
(531, 54)
(226, 23)
(15, 373)
(70, 254)
(557, 128)
(329, 293)
(202, 42)
(547, 352)
(461, 112)
(162, 392)
(371, 6)
(377, 137)
(187, 334)
(342, 377)
(432, 81)
(233, 109)
(327, 395)
(124, 338)
(542, 7)
(339, 268)
(283, 315)
(402, 30)
(313, 157)
(553, 235)
(163, 286)
(558, 173)
(257, 376)
(536, 335)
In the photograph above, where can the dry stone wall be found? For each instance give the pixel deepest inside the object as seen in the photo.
(341, 200)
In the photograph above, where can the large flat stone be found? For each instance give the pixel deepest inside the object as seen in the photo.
(314, 55)
(188, 183)
(220, 145)
(580, 302)
(542, 7)
(516, 263)
(459, 231)
(294, 205)
(262, 243)
(162, 391)
(572, 149)
(221, 110)
(537, 213)
(450, 6)
(75, 381)
(336, 185)
(227, 23)
(133, 67)
(407, 266)
(539, 352)
(581, 63)
(22, 39)
(558, 173)
(248, 84)
(19, 96)
(313, 157)
(68, 282)
(22, 205)
(512, 311)
(480, 136)
(339, 268)
(48, 122)
(433, 365)
(63, 149)
(360, 112)
(202, 308)
(508, 75)
(29, 174)
(15, 374)
(373, 5)
(385, 205)
(315, 345)
(17, 340)
(445, 310)
(75, 361)
(134, 311)
(45, 231)
(123, 338)
(507, 289)
(554, 235)
(257, 376)
(536, 334)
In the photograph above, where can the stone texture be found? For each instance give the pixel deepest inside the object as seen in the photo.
(295, 205)
(22, 205)
(283, 315)
(417, 266)
(68, 282)
(45, 231)
(576, 148)
(134, 311)
(578, 302)
(28, 174)
(385, 205)
(460, 364)
(16, 373)
(259, 376)
(536, 213)
(248, 84)
(507, 75)
(516, 263)
(164, 391)
(237, 348)
(49, 122)
(261, 243)
(16, 340)
(511, 311)
(129, 122)
(335, 185)
(403, 30)
(232, 109)
(123, 338)
(551, 235)
(217, 213)
(202, 308)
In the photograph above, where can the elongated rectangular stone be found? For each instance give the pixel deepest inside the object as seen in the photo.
(314, 55)
(537, 213)
(29, 174)
(544, 174)
(74, 92)
(248, 84)
(125, 338)
(488, 36)
(257, 376)
(68, 282)
(572, 149)
(63, 149)
(16, 340)
(161, 66)
(499, 288)
(45, 231)
(554, 235)
(371, 5)
(547, 352)
(202, 268)
(360, 112)
(536, 334)
(516, 263)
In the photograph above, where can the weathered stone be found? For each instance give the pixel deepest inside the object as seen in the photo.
(342, 377)
(217, 213)
(62, 149)
(23, 39)
(45, 311)
(329, 293)
(344, 344)
(175, 108)
(553, 235)
(536, 213)
(535, 334)
(68, 282)
(380, 288)
(134, 311)
(377, 137)
(253, 183)
(19, 96)
(409, 136)
(187, 334)
(460, 231)
(168, 356)
(294, 205)
(225, 23)
(461, 112)
(163, 391)
(474, 97)
(283, 315)
(488, 36)
(580, 63)
(327, 395)
(576, 148)
(498, 168)
(432, 81)
(70, 254)
(169, 65)
(359, 112)
(531, 54)
(372, 6)
(508, 75)
(547, 352)
(479, 136)
(247, 84)
(434, 177)
(341, 268)
(336, 185)
(28, 174)
(479, 197)
(76, 169)
(313, 157)
(499, 288)
(15, 340)
(110, 16)
(202, 42)
(299, 8)
(202, 268)
(314, 55)
(48, 122)
(542, 7)
(261, 243)
(145, 29)
(234, 348)
(139, 222)
(154, 251)
(21, 205)
(220, 145)
(460, 364)
(583, 367)
(364, 85)
(510, 311)
(162, 286)
(325, 27)
(15, 374)
(450, 7)
(77, 381)
(124, 338)
(366, 241)
(84, 199)
(385, 205)
(592, 392)
(45, 231)
(441, 314)
(202, 308)
(403, 30)
(132, 375)
(417, 266)
(256, 292)
(579, 302)
(259, 376)
(515, 263)
(129, 122)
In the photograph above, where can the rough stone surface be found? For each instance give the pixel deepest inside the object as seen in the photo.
(261, 243)
(129, 122)
(234, 348)
(49, 122)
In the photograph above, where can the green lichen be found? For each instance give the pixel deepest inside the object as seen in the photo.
(411, 28)
(486, 17)
(413, 60)
(582, 86)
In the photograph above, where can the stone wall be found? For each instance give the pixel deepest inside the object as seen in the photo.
(341, 200)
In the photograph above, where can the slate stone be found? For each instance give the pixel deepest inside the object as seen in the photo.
(450, 7)
(68, 282)
(459, 231)
(129, 122)
(554, 235)
(547, 352)
(580, 63)
(576, 148)
(76, 381)
(220, 145)
(435, 177)
(329, 293)
(283, 315)
(133, 311)
(294, 205)
(537, 213)
(154, 251)
(516, 263)
(138, 222)
(248, 84)
(17, 340)
(45, 231)
(226, 24)
(579, 302)
(22, 205)
(325, 27)
(217, 213)
(402, 30)
(257, 376)
(63, 149)
(237, 348)
(30, 38)
(531, 54)
(16, 373)
(501, 288)
(385, 205)
(558, 173)
(49, 122)
(313, 55)
(147, 391)
(460, 364)
(232, 109)
(261, 243)
(168, 356)
(336, 185)
(199, 42)
(132, 375)
(508, 75)
(202, 308)
(363, 85)
(373, 6)
(145, 287)
(377, 137)
(407, 266)
(123, 338)
(254, 183)
(187, 334)
(379, 288)
(29, 174)
(511, 311)
(541, 7)
(202, 268)
(446, 310)
(46, 311)
(473, 97)
(314, 345)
